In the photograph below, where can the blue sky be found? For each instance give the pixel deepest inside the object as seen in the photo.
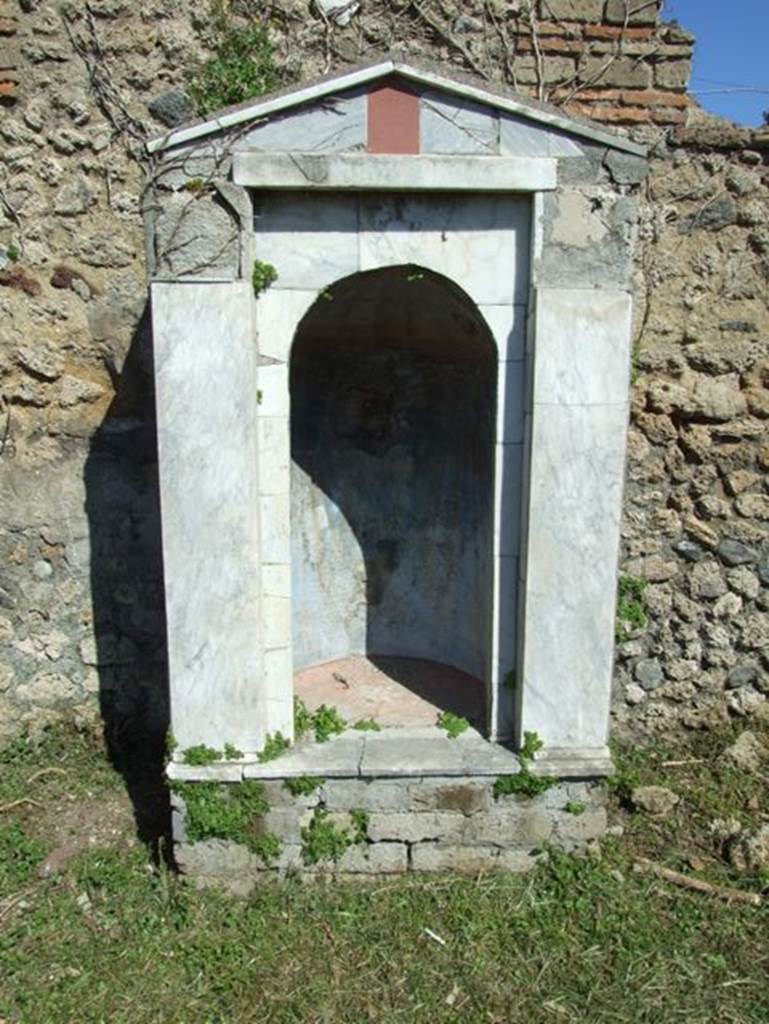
(732, 53)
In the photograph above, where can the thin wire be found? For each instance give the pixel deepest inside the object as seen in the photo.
(723, 92)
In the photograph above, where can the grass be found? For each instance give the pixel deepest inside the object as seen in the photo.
(580, 940)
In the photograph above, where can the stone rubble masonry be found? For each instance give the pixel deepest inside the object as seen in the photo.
(81, 585)
(414, 825)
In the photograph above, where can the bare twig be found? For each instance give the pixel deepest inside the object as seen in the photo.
(45, 771)
(648, 867)
(445, 34)
(18, 803)
(534, 25)
(680, 764)
(13, 901)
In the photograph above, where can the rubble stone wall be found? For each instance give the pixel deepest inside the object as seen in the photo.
(82, 86)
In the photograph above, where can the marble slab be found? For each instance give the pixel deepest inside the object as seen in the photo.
(519, 137)
(336, 124)
(575, 501)
(380, 173)
(274, 454)
(278, 314)
(582, 346)
(275, 528)
(272, 390)
(450, 124)
(311, 241)
(481, 243)
(203, 333)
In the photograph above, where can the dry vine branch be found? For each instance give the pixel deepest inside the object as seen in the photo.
(444, 33)
(648, 867)
(19, 803)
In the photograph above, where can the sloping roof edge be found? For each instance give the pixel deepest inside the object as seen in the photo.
(295, 97)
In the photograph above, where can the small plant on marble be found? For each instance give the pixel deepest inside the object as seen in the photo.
(324, 723)
(200, 754)
(631, 614)
(302, 718)
(262, 276)
(304, 785)
(231, 752)
(327, 722)
(322, 840)
(522, 784)
(275, 744)
(367, 725)
(575, 807)
(525, 783)
(453, 725)
(532, 743)
(12, 252)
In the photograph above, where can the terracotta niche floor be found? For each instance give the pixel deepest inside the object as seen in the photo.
(395, 692)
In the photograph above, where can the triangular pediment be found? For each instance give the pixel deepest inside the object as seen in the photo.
(392, 107)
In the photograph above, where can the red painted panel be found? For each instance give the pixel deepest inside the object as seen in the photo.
(393, 120)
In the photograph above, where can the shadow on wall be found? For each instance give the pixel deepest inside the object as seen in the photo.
(123, 509)
(393, 380)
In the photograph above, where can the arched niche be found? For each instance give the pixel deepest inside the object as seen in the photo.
(393, 381)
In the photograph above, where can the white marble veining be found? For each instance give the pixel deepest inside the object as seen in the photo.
(577, 464)
(276, 619)
(276, 580)
(311, 241)
(521, 137)
(384, 173)
(208, 484)
(583, 346)
(274, 454)
(278, 313)
(449, 124)
(275, 531)
(272, 389)
(337, 124)
(345, 83)
(481, 243)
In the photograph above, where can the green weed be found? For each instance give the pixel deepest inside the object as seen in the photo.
(201, 755)
(322, 840)
(275, 744)
(304, 785)
(242, 65)
(631, 614)
(262, 276)
(367, 725)
(453, 725)
(220, 810)
(327, 722)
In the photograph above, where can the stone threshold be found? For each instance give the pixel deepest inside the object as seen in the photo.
(394, 753)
